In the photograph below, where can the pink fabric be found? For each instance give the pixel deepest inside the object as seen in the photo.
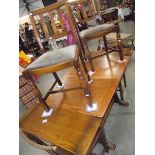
(70, 39)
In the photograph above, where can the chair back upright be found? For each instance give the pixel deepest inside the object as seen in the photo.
(85, 10)
(57, 26)
(28, 94)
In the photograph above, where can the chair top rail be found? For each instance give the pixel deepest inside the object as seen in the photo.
(48, 8)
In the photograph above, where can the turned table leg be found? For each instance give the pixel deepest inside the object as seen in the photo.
(124, 78)
(103, 152)
(120, 102)
(106, 144)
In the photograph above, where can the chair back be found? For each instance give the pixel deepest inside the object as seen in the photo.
(28, 94)
(56, 22)
(84, 10)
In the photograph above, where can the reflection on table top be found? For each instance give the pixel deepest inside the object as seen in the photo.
(103, 87)
(70, 130)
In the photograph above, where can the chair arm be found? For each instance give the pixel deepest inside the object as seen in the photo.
(39, 146)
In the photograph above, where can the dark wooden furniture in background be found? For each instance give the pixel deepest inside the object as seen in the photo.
(109, 15)
(29, 93)
(26, 92)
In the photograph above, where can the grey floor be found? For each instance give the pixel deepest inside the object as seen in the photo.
(120, 125)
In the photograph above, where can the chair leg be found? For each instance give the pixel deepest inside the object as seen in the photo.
(124, 78)
(121, 91)
(84, 83)
(132, 44)
(106, 144)
(83, 51)
(84, 64)
(44, 105)
(103, 152)
(119, 45)
(57, 78)
(106, 46)
(122, 101)
(88, 56)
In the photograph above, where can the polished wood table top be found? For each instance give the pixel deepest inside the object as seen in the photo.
(70, 127)
(70, 130)
(105, 82)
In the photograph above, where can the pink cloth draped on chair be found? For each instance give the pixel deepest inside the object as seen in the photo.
(70, 39)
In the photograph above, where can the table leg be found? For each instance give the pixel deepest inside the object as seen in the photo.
(106, 144)
(103, 152)
(124, 78)
(120, 102)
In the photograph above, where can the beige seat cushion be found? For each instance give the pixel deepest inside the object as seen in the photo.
(95, 29)
(53, 58)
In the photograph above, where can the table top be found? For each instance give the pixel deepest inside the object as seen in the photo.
(103, 87)
(70, 130)
(70, 127)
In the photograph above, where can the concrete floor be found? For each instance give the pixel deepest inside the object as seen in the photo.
(120, 125)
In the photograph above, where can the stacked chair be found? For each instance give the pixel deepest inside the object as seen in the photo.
(60, 59)
(97, 32)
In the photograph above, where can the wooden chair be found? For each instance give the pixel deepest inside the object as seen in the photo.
(97, 32)
(59, 59)
(51, 31)
(38, 143)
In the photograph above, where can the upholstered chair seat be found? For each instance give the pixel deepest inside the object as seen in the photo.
(96, 29)
(52, 58)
